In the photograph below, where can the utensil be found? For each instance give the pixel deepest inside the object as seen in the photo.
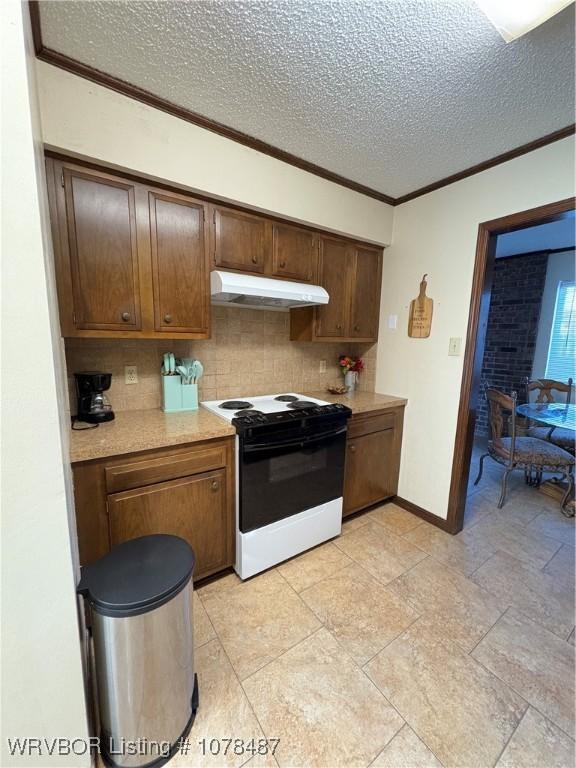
(197, 370)
(187, 363)
(183, 373)
(169, 364)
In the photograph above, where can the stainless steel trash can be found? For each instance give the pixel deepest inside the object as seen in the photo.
(140, 596)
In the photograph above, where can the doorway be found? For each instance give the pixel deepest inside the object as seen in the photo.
(488, 233)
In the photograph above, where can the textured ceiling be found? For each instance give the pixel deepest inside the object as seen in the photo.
(394, 94)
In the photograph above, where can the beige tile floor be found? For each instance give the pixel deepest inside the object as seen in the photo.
(398, 645)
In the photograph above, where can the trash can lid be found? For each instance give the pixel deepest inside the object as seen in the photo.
(138, 575)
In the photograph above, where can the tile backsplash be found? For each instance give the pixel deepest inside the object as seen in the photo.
(250, 353)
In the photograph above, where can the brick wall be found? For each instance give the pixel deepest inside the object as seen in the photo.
(512, 327)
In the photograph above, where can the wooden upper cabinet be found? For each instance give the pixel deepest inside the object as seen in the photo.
(133, 260)
(365, 290)
(352, 276)
(332, 319)
(294, 253)
(178, 240)
(99, 224)
(241, 241)
(248, 243)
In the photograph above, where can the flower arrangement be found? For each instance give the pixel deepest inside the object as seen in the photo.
(348, 363)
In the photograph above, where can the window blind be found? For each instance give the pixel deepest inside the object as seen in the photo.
(561, 363)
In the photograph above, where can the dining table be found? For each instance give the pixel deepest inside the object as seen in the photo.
(553, 415)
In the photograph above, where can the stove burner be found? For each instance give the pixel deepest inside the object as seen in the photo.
(249, 412)
(298, 404)
(286, 398)
(235, 405)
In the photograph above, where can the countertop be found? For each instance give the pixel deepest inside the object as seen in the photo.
(133, 431)
(362, 402)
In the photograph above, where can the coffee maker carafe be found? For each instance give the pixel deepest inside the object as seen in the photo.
(93, 405)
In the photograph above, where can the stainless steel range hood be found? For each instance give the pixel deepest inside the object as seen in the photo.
(234, 289)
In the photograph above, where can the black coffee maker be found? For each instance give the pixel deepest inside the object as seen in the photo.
(93, 405)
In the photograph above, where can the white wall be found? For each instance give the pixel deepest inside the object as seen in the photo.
(92, 121)
(437, 234)
(560, 267)
(42, 682)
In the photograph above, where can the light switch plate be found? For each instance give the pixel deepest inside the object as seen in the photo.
(322, 367)
(454, 346)
(130, 374)
(393, 322)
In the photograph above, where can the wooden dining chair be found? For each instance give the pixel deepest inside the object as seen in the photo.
(530, 454)
(545, 389)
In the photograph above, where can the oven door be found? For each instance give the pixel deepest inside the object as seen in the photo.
(281, 479)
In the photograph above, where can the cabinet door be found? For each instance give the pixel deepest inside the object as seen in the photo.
(101, 237)
(332, 318)
(241, 241)
(366, 286)
(180, 275)
(294, 253)
(370, 467)
(194, 508)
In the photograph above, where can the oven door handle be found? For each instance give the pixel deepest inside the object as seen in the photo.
(302, 441)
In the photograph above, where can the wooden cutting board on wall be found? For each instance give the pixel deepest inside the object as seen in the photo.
(420, 316)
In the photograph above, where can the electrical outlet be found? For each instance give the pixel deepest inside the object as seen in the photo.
(130, 374)
(392, 322)
(322, 368)
(454, 346)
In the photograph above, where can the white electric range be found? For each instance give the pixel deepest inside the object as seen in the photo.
(230, 409)
(290, 452)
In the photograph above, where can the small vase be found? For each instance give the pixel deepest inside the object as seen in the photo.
(350, 381)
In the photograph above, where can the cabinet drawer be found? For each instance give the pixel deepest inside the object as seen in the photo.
(123, 477)
(366, 425)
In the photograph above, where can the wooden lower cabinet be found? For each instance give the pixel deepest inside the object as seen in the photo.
(198, 506)
(372, 459)
(193, 507)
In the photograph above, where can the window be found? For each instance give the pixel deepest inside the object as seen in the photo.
(561, 363)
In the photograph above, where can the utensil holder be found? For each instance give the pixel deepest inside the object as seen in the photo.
(177, 396)
(189, 397)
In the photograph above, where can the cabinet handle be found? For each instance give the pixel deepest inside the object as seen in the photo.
(167, 318)
(126, 317)
(282, 264)
(338, 327)
(215, 485)
(353, 448)
(254, 259)
(356, 327)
